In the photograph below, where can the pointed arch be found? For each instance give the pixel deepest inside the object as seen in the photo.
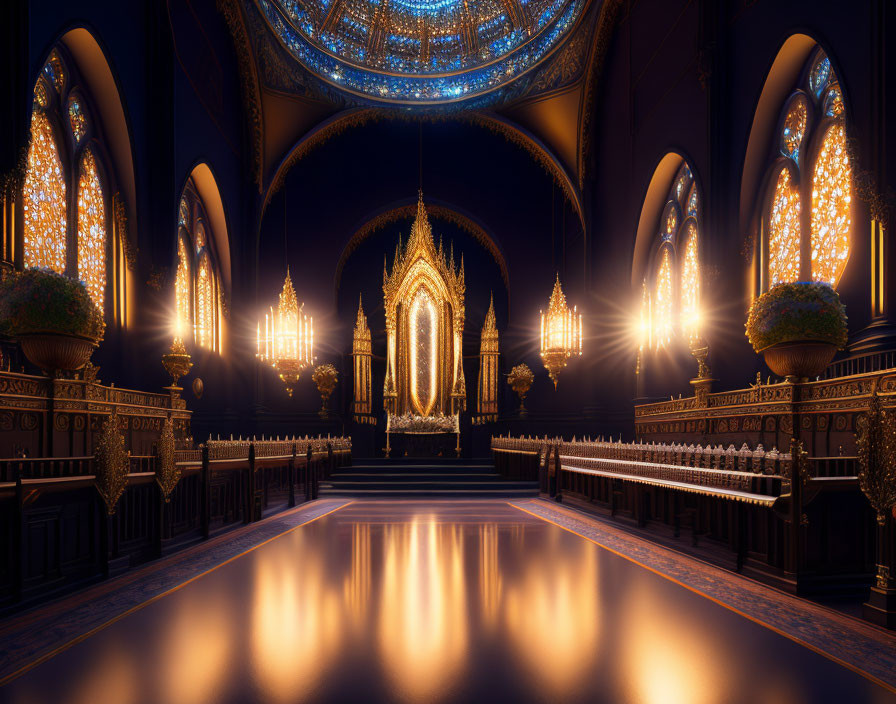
(79, 189)
(666, 263)
(202, 254)
(796, 192)
(45, 199)
(206, 334)
(91, 241)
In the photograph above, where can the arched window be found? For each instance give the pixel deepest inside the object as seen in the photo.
(45, 203)
(182, 289)
(66, 174)
(205, 316)
(807, 213)
(91, 229)
(662, 296)
(670, 291)
(197, 284)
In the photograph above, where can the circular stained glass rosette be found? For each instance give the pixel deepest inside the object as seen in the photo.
(420, 51)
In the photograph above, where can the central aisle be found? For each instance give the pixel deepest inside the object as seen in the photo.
(435, 601)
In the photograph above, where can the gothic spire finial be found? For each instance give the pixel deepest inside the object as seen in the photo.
(490, 315)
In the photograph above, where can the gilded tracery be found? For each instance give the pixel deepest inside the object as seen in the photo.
(197, 281)
(670, 292)
(65, 177)
(424, 306)
(811, 194)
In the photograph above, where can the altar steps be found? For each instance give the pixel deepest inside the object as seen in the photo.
(442, 477)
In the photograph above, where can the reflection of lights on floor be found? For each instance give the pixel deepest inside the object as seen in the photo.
(432, 603)
(553, 621)
(112, 678)
(422, 610)
(296, 626)
(668, 657)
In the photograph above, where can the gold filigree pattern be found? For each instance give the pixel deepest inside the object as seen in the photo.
(690, 283)
(44, 205)
(205, 303)
(167, 471)
(361, 354)
(662, 300)
(876, 442)
(91, 229)
(182, 291)
(488, 363)
(112, 463)
(794, 129)
(424, 306)
(784, 232)
(831, 198)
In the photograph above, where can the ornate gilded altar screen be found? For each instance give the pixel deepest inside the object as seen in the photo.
(424, 301)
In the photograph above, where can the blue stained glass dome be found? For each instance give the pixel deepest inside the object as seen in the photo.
(420, 51)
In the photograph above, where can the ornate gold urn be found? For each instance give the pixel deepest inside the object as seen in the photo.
(177, 362)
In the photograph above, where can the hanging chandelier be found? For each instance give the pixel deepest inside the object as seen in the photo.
(287, 343)
(561, 333)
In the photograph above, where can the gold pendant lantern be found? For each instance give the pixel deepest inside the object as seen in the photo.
(287, 343)
(561, 333)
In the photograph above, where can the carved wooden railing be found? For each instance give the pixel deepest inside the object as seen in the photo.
(749, 476)
(44, 417)
(821, 414)
(739, 474)
(216, 485)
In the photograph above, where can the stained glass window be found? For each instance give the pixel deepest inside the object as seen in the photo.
(54, 72)
(205, 301)
(825, 190)
(831, 197)
(794, 129)
(77, 118)
(784, 231)
(645, 327)
(75, 248)
(182, 286)
(200, 237)
(44, 199)
(196, 287)
(40, 94)
(91, 229)
(833, 102)
(671, 223)
(662, 300)
(670, 304)
(818, 76)
(693, 203)
(690, 282)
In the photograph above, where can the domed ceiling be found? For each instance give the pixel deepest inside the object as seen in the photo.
(420, 51)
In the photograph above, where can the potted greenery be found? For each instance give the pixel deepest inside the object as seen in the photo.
(798, 327)
(53, 317)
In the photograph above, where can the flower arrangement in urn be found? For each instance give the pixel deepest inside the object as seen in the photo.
(325, 376)
(798, 327)
(53, 317)
(520, 380)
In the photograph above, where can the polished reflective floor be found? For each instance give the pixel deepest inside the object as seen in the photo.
(436, 601)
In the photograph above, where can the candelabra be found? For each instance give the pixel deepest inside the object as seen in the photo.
(561, 333)
(288, 340)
